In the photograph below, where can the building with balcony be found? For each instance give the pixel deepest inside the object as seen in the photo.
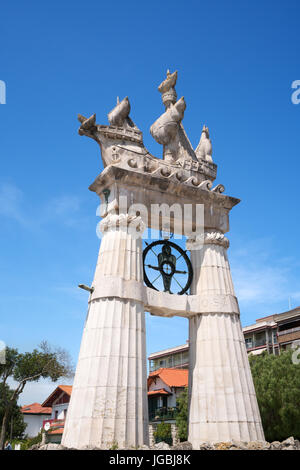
(274, 333)
(59, 402)
(288, 328)
(262, 336)
(172, 358)
(164, 387)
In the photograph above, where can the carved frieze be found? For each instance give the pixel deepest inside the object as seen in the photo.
(122, 222)
(209, 237)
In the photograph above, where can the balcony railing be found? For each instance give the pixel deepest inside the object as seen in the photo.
(290, 330)
(177, 365)
(54, 423)
(256, 344)
(163, 413)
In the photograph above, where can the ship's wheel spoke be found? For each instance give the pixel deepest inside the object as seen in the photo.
(154, 253)
(152, 267)
(156, 278)
(178, 282)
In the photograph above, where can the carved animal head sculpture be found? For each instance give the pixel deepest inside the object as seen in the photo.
(206, 131)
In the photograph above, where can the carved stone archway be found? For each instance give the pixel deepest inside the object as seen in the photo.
(109, 399)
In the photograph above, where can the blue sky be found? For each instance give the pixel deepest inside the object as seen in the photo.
(236, 63)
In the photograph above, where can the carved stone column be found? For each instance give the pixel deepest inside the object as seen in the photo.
(109, 405)
(222, 400)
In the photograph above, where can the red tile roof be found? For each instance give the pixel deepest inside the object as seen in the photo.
(66, 388)
(171, 377)
(36, 409)
(56, 431)
(55, 394)
(161, 391)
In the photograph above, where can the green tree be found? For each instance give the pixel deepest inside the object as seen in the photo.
(182, 415)
(45, 362)
(16, 425)
(163, 433)
(277, 384)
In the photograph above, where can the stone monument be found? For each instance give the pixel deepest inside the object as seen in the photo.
(108, 406)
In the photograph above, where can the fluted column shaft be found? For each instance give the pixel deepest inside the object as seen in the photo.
(109, 398)
(222, 400)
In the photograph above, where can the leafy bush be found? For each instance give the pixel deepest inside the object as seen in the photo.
(277, 385)
(163, 433)
(27, 443)
(182, 416)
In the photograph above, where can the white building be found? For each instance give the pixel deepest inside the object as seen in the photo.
(34, 415)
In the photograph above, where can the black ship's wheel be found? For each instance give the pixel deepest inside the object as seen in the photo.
(165, 269)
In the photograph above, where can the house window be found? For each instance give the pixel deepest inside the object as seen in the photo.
(185, 356)
(177, 359)
(248, 342)
(56, 414)
(260, 339)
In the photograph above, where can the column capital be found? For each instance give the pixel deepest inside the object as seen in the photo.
(208, 237)
(132, 224)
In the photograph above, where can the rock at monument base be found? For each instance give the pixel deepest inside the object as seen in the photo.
(183, 446)
(256, 445)
(161, 446)
(50, 446)
(35, 447)
(287, 444)
(206, 446)
(275, 445)
(290, 441)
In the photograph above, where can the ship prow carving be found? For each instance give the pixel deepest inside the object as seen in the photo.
(119, 116)
(121, 141)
